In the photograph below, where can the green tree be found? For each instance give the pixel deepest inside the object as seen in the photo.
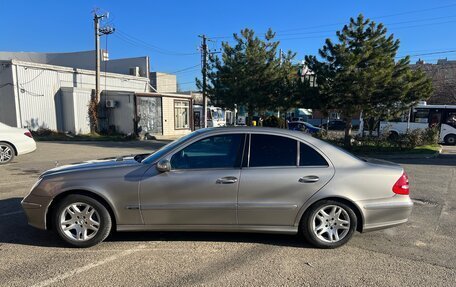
(251, 74)
(359, 73)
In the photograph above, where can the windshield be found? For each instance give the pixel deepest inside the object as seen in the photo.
(165, 149)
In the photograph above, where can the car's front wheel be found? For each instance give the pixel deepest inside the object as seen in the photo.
(82, 221)
(328, 224)
(450, 139)
(6, 153)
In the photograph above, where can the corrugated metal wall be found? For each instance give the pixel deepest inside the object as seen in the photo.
(7, 100)
(39, 91)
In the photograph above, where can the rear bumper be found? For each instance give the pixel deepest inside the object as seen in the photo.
(35, 208)
(386, 213)
(26, 146)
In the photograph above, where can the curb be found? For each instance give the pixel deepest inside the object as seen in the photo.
(406, 156)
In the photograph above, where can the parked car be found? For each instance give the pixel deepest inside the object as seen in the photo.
(246, 179)
(298, 119)
(14, 142)
(303, 126)
(335, 125)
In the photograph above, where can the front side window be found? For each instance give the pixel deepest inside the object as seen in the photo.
(181, 114)
(221, 151)
(310, 157)
(270, 150)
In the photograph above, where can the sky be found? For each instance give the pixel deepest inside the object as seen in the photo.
(168, 30)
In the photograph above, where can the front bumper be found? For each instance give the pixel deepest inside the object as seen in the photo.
(35, 208)
(385, 213)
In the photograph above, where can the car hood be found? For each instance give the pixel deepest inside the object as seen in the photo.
(92, 164)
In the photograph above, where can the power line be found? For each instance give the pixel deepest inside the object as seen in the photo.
(426, 54)
(372, 18)
(139, 42)
(388, 25)
(184, 70)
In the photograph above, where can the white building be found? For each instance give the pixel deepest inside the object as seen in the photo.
(53, 90)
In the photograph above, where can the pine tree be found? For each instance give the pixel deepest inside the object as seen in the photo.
(359, 73)
(250, 73)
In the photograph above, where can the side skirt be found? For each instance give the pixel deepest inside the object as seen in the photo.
(211, 228)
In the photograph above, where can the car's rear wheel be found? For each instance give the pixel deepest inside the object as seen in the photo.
(393, 135)
(328, 224)
(82, 221)
(6, 153)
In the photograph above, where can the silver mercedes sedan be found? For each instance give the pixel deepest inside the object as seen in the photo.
(224, 179)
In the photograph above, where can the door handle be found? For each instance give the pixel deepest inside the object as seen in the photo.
(309, 179)
(226, 180)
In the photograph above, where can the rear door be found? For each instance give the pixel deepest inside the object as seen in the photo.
(280, 174)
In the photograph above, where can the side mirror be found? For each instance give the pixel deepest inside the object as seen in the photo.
(163, 165)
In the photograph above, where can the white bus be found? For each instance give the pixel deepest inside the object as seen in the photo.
(215, 116)
(423, 116)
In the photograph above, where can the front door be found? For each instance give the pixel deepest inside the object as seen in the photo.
(200, 189)
(435, 118)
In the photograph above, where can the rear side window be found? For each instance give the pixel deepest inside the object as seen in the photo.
(269, 150)
(310, 157)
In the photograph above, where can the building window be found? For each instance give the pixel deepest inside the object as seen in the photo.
(181, 114)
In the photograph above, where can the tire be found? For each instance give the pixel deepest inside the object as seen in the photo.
(314, 221)
(450, 139)
(82, 221)
(393, 135)
(6, 153)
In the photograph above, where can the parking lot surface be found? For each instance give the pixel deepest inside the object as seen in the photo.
(419, 253)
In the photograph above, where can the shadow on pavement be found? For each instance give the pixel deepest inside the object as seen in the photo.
(267, 239)
(15, 230)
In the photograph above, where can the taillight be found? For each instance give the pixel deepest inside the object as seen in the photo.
(402, 185)
(29, 134)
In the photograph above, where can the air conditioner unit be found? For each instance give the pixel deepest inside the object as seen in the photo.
(111, 104)
(134, 71)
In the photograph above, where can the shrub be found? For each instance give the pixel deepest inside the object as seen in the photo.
(431, 136)
(43, 132)
(274, 122)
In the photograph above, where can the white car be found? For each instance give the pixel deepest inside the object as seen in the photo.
(13, 142)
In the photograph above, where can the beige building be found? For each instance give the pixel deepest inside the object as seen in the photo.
(163, 82)
(175, 110)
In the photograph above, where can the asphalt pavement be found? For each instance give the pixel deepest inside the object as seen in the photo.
(419, 253)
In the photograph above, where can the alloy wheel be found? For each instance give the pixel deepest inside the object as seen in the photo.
(331, 223)
(80, 221)
(6, 153)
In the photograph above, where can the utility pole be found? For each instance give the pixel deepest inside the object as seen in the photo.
(96, 20)
(204, 72)
(98, 32)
